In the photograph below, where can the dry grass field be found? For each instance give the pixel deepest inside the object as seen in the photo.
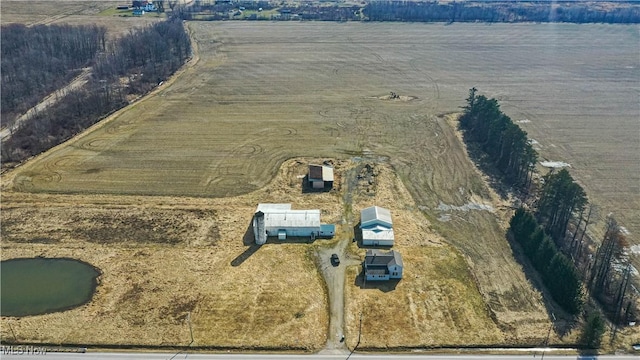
(261, 93)
(71, 12)
(164, 258)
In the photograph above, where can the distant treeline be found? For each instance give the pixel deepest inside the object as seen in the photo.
(416, 11)
(39, 59)
(570, 12)
(552, 235)
(133, 65)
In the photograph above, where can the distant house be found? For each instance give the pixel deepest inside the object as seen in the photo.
(376, 226)
(320, 176)
(279, 220)
(379, 265)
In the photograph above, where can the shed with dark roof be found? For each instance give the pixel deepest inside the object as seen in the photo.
(320, 176)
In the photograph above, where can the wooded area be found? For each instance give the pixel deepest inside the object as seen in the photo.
(499, 12)
(552, 235)
(132, 65)
(558, 273)
(415, 11)
(505, 144)
(40, 59)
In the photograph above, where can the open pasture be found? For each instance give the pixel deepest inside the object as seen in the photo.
(171, 265)
(71, 12)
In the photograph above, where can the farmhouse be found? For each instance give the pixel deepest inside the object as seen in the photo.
(376, 226)
(379, 265)
(320, 176)
(279, 220)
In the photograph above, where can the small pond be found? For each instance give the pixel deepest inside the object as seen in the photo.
(32, 286)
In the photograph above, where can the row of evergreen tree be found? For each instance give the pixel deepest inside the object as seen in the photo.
(500, 138)
(135, 64)
(573, 12)
(38, 59)
(558, 273)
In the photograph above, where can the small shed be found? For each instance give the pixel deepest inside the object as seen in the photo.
(320, 176)
(380, 266)
(376, 226)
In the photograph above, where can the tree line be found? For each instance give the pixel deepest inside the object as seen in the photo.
(130, 66)
(417, 11)
(552, 235)
(500, 12)
(37, 60)
(500, 138)
(558, 273)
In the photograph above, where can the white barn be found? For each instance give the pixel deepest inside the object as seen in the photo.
(376, 226)
(281, 221)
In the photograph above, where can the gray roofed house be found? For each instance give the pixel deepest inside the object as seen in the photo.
(376, 226)
(379, 265)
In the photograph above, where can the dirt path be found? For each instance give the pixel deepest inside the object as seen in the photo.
(334, 276)
(49, 100)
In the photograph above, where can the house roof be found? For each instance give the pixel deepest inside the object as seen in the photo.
(320, 172)
(376, 258)
(375, 214)
(281, 215)
(377, 233)
(265, 208)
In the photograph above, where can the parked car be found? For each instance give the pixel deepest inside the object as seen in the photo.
(335, 260)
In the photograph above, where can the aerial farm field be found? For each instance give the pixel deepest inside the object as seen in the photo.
(72, 12)
(209, 145)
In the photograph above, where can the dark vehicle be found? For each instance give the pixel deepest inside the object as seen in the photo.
(335, 260)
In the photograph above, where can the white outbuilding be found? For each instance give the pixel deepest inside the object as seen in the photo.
(376, 226)
(281, 221)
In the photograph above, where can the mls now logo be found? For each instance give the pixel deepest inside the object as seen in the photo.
(22, 350)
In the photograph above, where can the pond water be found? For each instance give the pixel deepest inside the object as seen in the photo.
(32, 286)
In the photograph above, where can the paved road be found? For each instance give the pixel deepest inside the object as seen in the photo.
(168, 356)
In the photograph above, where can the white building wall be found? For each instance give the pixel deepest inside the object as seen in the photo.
(301, 231)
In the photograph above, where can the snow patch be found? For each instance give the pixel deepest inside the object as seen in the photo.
(524, 121)
(624, 230)
(554, 164)
(466, 207)
(444, 217)
(533, 142)
(635, 249)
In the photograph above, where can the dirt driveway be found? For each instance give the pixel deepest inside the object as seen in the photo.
(334, 277)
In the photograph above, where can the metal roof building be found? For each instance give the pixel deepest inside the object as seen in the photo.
(281, 221)
(376, 226)
(320, 175)
(379, 265)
